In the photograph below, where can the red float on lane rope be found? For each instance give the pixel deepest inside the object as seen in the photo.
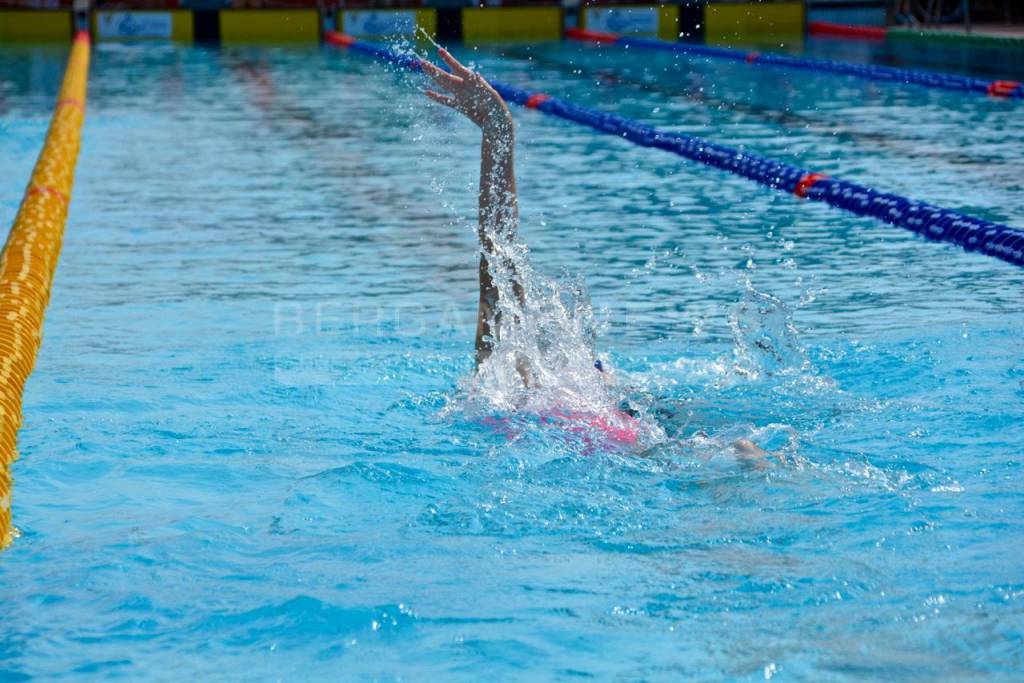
(71, 102)
(338, 39)
(806, 183)
(46, 189)
(591, 36)
(828, 28)
(536, 100)
(1002, 88)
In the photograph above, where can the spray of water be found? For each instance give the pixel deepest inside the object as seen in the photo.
(765, 341)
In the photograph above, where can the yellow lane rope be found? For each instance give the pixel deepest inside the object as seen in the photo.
(29, 260)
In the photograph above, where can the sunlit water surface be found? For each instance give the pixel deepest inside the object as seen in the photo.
(244, 455)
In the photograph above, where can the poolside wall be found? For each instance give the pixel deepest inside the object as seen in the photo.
(693, 20)
(480, 24)
(371, 23)
(644, 20)
(269, 26)
(174, 25)
(33, 26)
(853, 12)
(754, 23)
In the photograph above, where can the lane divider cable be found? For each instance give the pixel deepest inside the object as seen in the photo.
(933, 222)
(952, 82)
(29, 260)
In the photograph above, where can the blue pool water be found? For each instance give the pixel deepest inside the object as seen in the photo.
(245, 455)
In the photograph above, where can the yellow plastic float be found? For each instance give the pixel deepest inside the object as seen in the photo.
(29, 260)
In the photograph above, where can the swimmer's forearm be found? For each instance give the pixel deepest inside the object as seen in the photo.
(499, 202)
(499, 219)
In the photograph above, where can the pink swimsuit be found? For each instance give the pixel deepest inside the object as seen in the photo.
(619, 429)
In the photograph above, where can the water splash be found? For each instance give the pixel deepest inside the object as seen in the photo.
(542, 352)
(542, 359)
(765, 341)
(540, 370)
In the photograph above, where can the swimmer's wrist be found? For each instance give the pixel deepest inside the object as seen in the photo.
(499, 125)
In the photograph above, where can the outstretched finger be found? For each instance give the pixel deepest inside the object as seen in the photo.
(442, 78)
(456, 66)
(446, 100)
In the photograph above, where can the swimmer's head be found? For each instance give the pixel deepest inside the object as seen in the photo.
(607, 374)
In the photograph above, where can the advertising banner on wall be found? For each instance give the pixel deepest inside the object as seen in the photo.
(129, 25)
(361, 23)
(627, 20)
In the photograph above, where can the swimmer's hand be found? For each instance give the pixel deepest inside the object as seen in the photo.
(753, 455)
(467, 92)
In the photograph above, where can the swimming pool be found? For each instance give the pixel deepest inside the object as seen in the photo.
(240, 458)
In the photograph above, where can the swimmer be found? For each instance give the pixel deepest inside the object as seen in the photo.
(468, 93)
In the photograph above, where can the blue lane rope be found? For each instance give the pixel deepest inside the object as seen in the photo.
(932, 222)
(887, 74)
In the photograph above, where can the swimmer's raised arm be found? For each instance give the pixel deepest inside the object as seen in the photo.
(467, 92)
